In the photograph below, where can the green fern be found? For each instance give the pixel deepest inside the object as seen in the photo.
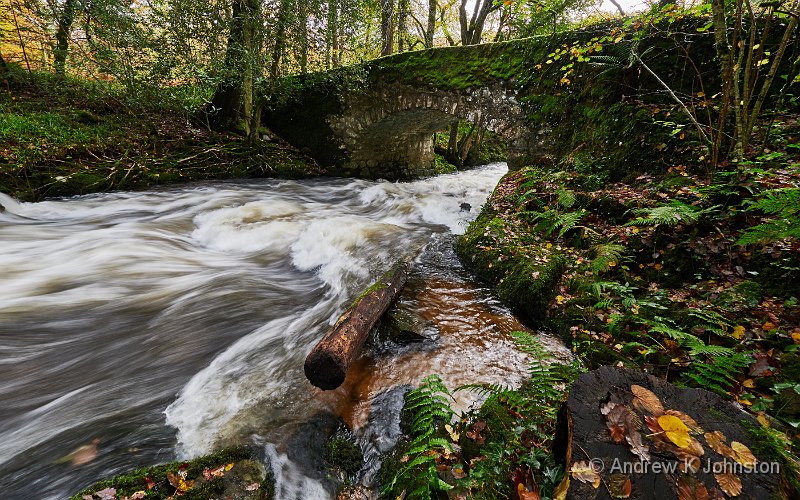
(693, 345)
(784, 204)
(719, 374)
(566, 198)
(606, 255)
(672, 214)
(552, 220)
(430, 406)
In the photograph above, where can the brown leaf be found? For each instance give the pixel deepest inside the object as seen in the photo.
(689, 488)
(606, 408)
(615, 421)
(743, 454)
(524, 494)
(652, 424)
(619, 486)
(584, 472)
(729, 483)
(693, 426)
(634, 439)
(646, 400)
(716, 441)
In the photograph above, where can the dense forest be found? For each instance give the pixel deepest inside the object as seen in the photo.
(647, 225)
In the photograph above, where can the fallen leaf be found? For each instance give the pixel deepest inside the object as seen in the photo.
(638, 448)
(107, 494)
(252, 486)
(716, 441)
(796, 337)
(693, 426)
(620, 420)
(676, 430)
(743, 454)
(524, 494)
(584, 472)
(738, 332)
(619, 486)
(729, 483)
(689, 488)
(560, 493)
(606, 408)
(137, 496)
(646, 400)
(149, 483)
(768, 326)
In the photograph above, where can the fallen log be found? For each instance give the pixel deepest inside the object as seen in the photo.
(326, 365)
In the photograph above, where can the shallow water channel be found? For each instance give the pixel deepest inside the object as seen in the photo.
(166, 323)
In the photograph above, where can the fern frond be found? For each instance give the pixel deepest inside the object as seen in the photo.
(784, 202)
(605, 256)
(770, 232)
(672, 214)
(719, 374)
(566, 198)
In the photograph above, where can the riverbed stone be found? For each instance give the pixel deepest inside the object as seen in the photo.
(584, 438)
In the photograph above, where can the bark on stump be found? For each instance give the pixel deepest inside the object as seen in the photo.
(584, 435)
(326, 365)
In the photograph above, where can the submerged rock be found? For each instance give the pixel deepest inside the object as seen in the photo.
(626, 434)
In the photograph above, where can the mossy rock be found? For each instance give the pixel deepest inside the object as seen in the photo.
(341, 452)
(237, 471)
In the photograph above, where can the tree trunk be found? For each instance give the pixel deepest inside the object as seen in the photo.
(280, 37)
(472, 29)
(227, 101)
(252, 39)
(63, 32)
(402, 17)
(327, 364)
(303, 26)
(431, 24)
(332, 35)
(387, 27)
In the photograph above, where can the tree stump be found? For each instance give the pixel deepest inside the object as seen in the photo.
(626, 434)
(326, 365)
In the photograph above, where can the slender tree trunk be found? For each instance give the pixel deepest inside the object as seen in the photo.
(280, 37)
(332, 36)
(387, 27)
(725, 59)
(63, 32)
(472, 29)
(303, 26)
(431, 24)
(402, 17)
(252, 44)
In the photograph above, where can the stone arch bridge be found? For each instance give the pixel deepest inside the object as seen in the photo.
(377, 119)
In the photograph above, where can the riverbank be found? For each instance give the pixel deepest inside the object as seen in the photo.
(64, 136)
(689, 278)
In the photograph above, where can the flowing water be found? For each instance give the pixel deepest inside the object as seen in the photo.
(159, 325)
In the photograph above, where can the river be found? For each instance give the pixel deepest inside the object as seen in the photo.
(166, 323)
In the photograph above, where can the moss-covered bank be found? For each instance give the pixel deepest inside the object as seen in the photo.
(61, 137)
(228, 473)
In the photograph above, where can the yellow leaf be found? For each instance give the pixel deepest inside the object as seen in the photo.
(560, 299)
(743, 454)
(228, 466)
(749, 383)
(738, 332)
(796, 337)
(676, 430)
(768, 326)
(762, 419)
(453, 434)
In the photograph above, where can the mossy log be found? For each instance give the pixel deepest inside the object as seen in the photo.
(327, 364)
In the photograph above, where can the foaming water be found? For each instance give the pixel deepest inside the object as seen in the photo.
(167, 323)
